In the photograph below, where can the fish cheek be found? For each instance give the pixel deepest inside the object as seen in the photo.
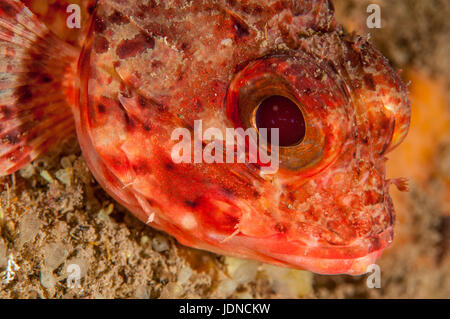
(188, 188)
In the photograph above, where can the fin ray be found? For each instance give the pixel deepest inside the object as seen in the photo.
(37, 70)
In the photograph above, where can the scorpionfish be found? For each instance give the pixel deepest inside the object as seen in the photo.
(134, 71)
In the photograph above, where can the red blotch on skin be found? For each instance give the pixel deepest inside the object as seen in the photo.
(211, 216)
(99, 25)
(7, 8)
(372, 197)
(141, 167)
(5, 112)
(118, 164)
(118, 18)
(101, 108)
(130, 48)
(101, 44)
(280, 228)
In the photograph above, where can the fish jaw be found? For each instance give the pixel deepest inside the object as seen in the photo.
(193, 227)
(330, 260)
(277, 249)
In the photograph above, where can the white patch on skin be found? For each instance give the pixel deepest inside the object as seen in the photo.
(346, 200)
(188, 221)
(227, 42)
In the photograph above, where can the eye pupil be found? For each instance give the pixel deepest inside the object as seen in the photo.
(280, 112)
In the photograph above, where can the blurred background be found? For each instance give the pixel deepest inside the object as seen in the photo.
(53, 214)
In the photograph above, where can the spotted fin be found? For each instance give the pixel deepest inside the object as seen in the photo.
(37, 85)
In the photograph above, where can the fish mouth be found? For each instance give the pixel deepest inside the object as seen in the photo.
(353, 256)
(353, 259)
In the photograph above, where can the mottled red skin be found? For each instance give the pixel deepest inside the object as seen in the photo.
(148, 68)
(171, 66)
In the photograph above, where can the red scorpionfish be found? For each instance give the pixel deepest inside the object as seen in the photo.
(139, 70)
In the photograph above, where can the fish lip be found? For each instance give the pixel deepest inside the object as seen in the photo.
(354, 266)
(353, 259)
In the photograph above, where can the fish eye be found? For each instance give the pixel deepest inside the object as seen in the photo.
(281, 112)
(285, 92)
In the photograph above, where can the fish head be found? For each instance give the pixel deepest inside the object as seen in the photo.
(163, 85)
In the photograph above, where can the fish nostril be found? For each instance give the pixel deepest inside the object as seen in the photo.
(282, 113)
